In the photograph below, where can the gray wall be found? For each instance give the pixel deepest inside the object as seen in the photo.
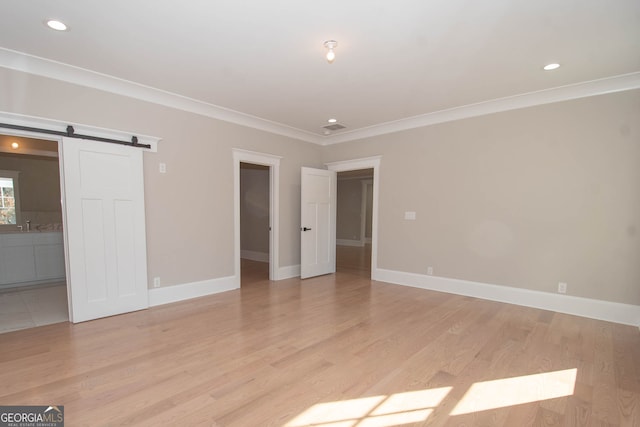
(39, 183)
(349, 198)
(349, 208)
(369, 212)
(524, 198)
(192, 240)
(254, 209)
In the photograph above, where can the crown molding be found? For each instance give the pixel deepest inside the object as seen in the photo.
(547, 96)
(31, 64)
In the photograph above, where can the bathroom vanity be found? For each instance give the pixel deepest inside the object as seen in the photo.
(30, 258)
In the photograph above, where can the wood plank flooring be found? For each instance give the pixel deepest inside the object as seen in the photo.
(333, 351)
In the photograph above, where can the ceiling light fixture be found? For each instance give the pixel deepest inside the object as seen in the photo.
(550, 67)
(331, 55)
(332, 120)
(54, 24)
(15, 145)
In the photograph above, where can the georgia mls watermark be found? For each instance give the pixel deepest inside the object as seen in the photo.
(32, 416)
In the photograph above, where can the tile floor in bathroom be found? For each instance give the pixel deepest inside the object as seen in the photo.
(33, 306)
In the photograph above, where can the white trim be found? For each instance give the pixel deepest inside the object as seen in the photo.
(273, 162)
(31, 64)
(355, 164)
(288, 272)
(349, 242)
(61, 126)
(595, 309)
(169, 294)
(65, 237)
(366, 163)
(547, 96)
(254, 255)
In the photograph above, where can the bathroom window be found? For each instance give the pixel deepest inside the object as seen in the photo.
(9, 202)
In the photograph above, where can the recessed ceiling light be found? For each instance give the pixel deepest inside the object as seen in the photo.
(54, 24)
(332, 120)
(550, 67)
(15, 145)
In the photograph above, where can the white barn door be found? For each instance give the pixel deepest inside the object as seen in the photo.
(105, 228)
(318, 222)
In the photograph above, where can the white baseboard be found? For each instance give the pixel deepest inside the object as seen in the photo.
(169, 294)
(288, 272)
(347, 242)
(595, 309)
(255, 256)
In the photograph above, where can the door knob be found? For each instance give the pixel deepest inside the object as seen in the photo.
(306, 229)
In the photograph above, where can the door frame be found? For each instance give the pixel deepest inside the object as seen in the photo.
(366, 163)
(363, 210)
(38, 122)
(273, 162)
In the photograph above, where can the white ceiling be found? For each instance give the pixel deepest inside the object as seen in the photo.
(394, 60)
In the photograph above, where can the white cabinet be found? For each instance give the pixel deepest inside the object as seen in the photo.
(27, 258)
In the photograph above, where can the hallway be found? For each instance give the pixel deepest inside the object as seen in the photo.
(354, 260)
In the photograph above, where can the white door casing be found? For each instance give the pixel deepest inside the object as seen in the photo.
(317, 222)
(366, 163)
(105, 228)
(273, 162)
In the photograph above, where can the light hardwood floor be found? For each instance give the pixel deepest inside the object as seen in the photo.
(354, 260)
(333, 351)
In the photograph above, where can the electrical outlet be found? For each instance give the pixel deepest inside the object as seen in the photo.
(162, 167)
(430, 271)
(562, 288)
(156, 282)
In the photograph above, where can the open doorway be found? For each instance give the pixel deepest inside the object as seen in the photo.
(372, 164)
(33, 290)
(254, 222)
(354, 215)
(272, 163)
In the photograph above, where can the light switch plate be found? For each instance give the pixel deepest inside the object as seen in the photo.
(410, 216)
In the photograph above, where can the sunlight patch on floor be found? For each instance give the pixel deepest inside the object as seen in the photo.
(376, 411)
(486, 395)
(416, 406)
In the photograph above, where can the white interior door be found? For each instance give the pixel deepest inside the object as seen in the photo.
(318, 222)
(105, 228)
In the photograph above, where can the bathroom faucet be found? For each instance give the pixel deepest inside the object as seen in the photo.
(28, 226)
